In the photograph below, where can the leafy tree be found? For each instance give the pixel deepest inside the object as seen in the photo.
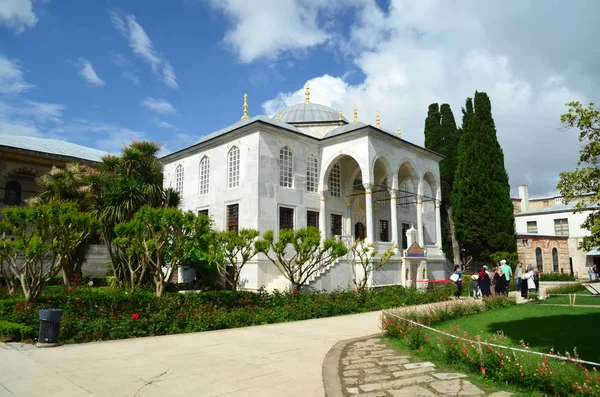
(309, 255)
(164, 237)
(482, 208)
(583, 184)
(68, 185)
(236, 249)
(42, 240)
(360, 254)
(511, 258)
(442, 136)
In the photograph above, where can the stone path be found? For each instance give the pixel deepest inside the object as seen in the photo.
(369, 368)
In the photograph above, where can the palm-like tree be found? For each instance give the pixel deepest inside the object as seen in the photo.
(124, 185)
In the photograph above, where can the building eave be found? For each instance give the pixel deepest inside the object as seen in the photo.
(47, 156)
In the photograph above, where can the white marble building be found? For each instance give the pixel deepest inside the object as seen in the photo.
(309, 166)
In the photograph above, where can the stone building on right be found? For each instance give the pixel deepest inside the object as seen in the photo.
(548, 234)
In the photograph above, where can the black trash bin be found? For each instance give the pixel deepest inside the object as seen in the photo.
(49, 326)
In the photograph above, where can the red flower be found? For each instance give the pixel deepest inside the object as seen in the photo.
(83, 317)
(69, 290)
(294, 292)
(193, 313)
(135, 316)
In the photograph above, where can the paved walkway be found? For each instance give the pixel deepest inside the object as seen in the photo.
(272, 360)
(371, 369)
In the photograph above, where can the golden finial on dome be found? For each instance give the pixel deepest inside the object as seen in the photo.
(245, 115)
(277, 115)
(377, 119)
(355, 114)
(307, 92)
(399, 132)
(340, 117)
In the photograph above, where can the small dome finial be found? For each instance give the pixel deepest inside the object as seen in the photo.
(307, 92)
(340, 116)
(277, 116)
(377, 119)
(245, 115)
(355, 114)
(399, 132)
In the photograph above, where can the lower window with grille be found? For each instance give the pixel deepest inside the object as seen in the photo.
(384, 234)
(286, 218)
(312, 218)
(336, 225)
(233, 213)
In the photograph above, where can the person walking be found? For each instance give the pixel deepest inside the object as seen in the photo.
(475, 285)
(596, 272)
(530, 277)
(591, 273)
(507, 270)
(500, 281)
(484, 282)
(457, 278)
(518, 275)
(524, 281)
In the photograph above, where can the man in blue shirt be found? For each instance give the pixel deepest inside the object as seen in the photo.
(506, 269)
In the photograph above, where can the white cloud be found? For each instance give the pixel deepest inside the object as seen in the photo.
(417, 53)
(159, 105)
(169, 76)
(269, 27)
(141, 45)
(12, 80)
(128, 70)
(164, 124)
(17, 15)
(88, 73)
(21, 128)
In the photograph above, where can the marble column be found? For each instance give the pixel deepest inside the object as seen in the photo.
(394, 216)
(348, 221)
(369, 209)
(438, 225)
(420, 216)
(322, 216)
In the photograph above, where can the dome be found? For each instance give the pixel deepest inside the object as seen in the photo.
(309, 113)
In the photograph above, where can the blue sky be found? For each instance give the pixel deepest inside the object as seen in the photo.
(100, 73)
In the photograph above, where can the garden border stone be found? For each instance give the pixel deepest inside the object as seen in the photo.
(331, 366)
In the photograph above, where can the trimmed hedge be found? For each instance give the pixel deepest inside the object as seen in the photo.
(556, 277)
(93, 314)
(14, 332)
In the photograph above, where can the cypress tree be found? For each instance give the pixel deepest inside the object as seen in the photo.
(441, 136)
(483, 211)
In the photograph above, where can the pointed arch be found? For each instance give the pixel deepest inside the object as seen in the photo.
(233, 167)
(286, 167)
(204, 182)
(312, 173)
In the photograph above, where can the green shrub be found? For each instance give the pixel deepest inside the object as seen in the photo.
(93, 314)
(14, 332)
(565, 289)
(556, 277)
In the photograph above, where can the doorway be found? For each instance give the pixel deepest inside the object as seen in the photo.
(359, 231)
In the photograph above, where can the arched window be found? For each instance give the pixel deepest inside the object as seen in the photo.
(179, 179)
(12, 193)
(538, 259)
(555, 267)
(335, 181)
(286, 177)
(204, 175)
(312, 173)
(233, 167)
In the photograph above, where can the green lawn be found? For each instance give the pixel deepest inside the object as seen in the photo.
(582, 299)
(542, 327)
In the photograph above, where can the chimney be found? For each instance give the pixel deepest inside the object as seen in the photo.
(524, 196)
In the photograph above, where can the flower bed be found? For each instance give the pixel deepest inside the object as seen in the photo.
(93, 314)
(521, 369)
